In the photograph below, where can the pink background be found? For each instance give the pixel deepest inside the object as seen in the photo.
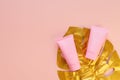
(29, 28)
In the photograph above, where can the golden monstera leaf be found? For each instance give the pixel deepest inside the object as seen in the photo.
(90, 70)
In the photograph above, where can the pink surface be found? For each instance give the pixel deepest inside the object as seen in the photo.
(97, 38)
(29, 28)
(69, 53)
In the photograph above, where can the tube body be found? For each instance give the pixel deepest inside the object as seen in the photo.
(69, 52)
(96, 40)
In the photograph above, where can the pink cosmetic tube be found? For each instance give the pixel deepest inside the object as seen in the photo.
(69, 52)
(97, 39)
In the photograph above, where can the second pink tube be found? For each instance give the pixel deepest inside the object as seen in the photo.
(97, 39)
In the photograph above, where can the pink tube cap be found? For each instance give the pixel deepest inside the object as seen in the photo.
(69, 52)
(97, 39)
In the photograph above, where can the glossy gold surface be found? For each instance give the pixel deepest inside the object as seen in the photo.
(90, 70)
